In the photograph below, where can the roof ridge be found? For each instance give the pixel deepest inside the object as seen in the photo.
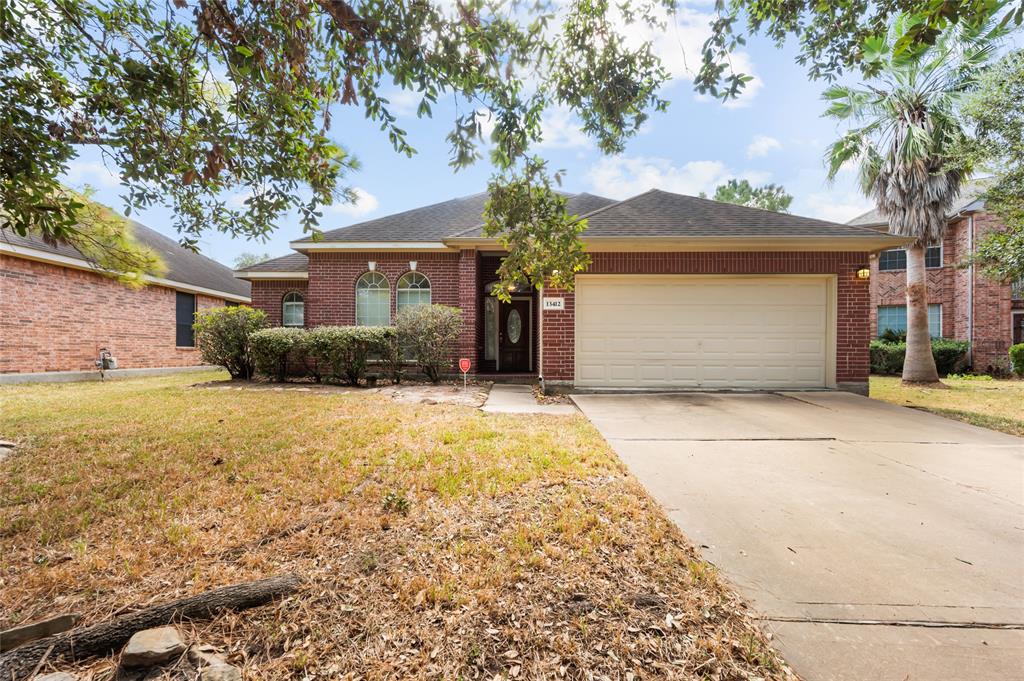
(270, 260)
(570, 195)
(454, 199)
(615, 204)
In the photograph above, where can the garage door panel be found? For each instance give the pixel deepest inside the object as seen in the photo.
(712, 332)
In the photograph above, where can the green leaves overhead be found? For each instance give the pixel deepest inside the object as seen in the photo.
(528, 217)
(199, 100)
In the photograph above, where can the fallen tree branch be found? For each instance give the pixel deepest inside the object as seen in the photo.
(102, 638)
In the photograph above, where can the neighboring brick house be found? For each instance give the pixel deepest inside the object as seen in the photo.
(964, 304)
(57, 312)
(681, 292)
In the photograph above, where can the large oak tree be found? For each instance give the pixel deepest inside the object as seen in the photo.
(197, 99)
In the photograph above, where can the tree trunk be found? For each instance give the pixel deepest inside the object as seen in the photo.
(919, 364)
(102, 638)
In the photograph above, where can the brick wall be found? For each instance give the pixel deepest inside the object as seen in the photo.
(950, 287)
(458, 279)
(853, 298)
(267, 295)
(55, 318)
(331, 290)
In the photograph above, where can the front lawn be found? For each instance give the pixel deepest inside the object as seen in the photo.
(434, 541)
(995, 404)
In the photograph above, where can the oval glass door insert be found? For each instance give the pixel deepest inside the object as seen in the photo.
(514, 326)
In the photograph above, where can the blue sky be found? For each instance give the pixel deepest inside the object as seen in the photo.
(774, 133)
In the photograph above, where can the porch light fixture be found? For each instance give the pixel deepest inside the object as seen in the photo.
(372, 265)
(864, 273)
(412, 265)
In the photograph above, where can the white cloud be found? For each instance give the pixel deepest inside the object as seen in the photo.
(761, 145)
(679, 45)
(403, 102)
(621, 177)
(561, 130)
(836, 206)
(364, 204)
(92, 173)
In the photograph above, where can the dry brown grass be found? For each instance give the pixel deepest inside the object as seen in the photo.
(439, 542)
(994, 404)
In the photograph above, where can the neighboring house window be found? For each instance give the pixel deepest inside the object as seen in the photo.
(413, 289)
(293, 310)
(894, 318)
(230, 303)
(896, 258)
(373, 300)
(185, 317)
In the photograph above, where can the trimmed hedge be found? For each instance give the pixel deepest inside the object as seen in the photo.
(1017, 359)
(271, 349)
(346, 350)
(887, 357)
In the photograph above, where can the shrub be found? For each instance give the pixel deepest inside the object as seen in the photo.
(346, 350)
(893, 336)
(271, 348)
(1017, 358)
(429, 334)
(222, 336)
(887, 357)
(949, 354)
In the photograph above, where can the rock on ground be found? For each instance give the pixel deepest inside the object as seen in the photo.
(152, 646)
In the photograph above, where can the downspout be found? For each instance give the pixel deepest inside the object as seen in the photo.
(970, 291)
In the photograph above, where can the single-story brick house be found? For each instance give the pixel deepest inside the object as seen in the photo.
(682, 292)
(57, 312)
(964, 304)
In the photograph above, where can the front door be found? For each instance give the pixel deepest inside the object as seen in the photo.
(514, 336)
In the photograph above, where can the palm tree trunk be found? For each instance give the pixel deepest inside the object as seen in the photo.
(919, 364)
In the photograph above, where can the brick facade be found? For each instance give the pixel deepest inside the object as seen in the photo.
(55, 318)
(953, 288)
(269, 296)
(852, 362)
(331, 300)
(458, 279)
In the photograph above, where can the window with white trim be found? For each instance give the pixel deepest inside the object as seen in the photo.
(413, 289)
(373, 300)
(293, 309)
(894, 318)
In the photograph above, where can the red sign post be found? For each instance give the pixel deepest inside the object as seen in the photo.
(464, 365)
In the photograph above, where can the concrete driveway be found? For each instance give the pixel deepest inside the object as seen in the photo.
(878, 542)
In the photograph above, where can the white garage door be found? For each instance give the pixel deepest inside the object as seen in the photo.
(703, 332)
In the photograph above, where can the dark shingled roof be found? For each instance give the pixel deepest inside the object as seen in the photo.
(293, 262)
(970, 193)
(183, 266)
(461, 217)
(657, 213)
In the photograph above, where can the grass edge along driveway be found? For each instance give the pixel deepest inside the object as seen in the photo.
(439, 542)
(994, 404)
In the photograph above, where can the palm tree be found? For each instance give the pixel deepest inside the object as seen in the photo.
(906, 126)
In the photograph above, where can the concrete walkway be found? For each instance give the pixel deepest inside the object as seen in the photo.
(877, 542)
(519, 399)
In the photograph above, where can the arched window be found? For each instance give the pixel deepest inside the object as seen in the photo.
(373, 300)
(293, 310)
(413, 289)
